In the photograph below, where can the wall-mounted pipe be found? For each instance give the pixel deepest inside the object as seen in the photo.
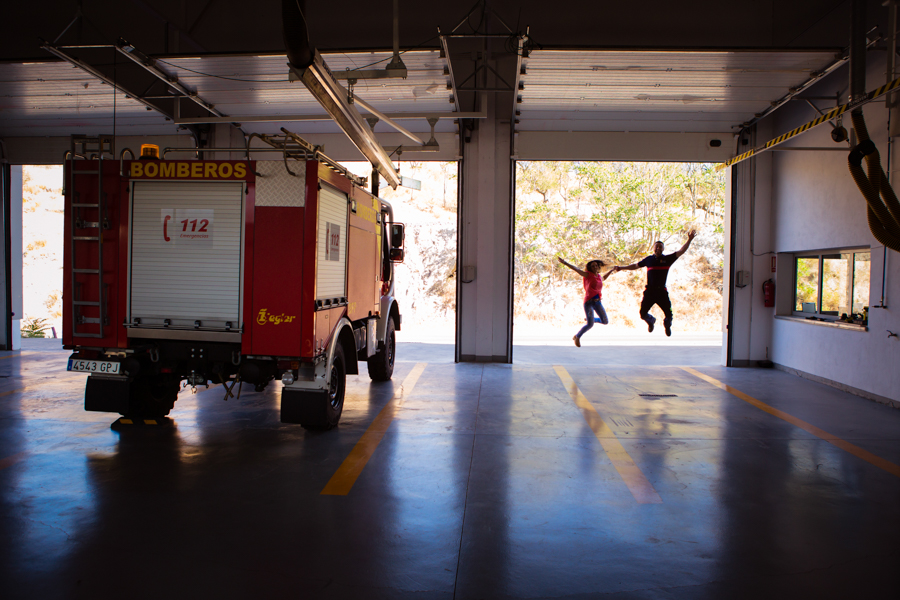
(122, 160)
(296, 33)
(883, 210)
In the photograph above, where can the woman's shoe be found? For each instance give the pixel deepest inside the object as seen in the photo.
(577, 341)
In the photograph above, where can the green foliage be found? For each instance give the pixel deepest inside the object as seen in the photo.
(606, 210)
(807, 281)
(34, 328)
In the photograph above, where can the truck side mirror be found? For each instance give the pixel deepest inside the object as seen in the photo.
(397, 255)
(396, 236)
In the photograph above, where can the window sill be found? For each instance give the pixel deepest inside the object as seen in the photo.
(834, 324)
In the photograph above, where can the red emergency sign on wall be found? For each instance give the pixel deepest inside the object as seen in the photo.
(774, 260)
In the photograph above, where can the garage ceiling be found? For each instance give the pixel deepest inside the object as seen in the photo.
(59, 99)
(571, 90)
(691, 91)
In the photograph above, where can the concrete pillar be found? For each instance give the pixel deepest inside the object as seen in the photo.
(5, 306)
(484, 309)
(15, 254)
(749, 251)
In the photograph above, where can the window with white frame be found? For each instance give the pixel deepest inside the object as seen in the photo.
(829, 285)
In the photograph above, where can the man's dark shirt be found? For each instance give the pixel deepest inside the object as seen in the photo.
(658, 268)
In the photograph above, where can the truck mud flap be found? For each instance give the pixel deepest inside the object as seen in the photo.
(107, 395)
(299, 406)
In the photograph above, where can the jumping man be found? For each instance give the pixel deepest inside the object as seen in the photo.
(593, 291)
(656, 293)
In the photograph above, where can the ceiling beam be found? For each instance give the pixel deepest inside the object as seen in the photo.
(149, 65)
(333, 98)
(482, 114)
(92, 71)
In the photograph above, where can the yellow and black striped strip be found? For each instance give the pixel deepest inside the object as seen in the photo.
(833, 113)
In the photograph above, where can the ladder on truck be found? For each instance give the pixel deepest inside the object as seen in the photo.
(91, 244)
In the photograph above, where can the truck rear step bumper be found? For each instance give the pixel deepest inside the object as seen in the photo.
(107, 395)
(296, 405)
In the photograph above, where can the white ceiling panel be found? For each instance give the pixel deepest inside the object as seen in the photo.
(58, 99)
(636, 90)
(578, 90)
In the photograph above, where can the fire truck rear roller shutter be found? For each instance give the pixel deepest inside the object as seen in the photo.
(331, 274)
(186, 279)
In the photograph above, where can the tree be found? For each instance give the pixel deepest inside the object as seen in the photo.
(34, 327)
(621, 209)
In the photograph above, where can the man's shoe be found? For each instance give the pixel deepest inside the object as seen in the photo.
(577, 341)
(650, 326)
(668, 329)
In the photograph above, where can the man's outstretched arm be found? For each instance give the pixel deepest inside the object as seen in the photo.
(633, 267)
(687, 244)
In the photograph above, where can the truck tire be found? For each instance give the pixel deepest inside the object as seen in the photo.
(153, 398)
(381, 364)
(324, 412)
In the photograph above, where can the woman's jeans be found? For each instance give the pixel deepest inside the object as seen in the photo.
(590, 307)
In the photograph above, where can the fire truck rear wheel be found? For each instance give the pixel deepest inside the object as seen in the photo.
(381, 364)
(153, 398)
(324, 412)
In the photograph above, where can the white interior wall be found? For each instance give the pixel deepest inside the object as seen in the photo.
(817, 206)
(623, 146)
(761, 253)
(50, 151)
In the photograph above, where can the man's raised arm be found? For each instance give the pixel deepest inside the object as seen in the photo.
(687, 244)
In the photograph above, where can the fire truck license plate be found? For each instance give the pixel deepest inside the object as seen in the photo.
(94, 366)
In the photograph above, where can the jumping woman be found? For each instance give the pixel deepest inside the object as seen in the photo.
(593, 291)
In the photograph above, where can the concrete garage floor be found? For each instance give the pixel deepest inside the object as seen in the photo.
(554, 480)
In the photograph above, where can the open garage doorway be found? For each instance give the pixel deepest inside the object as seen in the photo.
(614, 212)
(42, 254)
(426, 204)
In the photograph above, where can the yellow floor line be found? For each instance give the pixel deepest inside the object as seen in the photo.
(853, 449)
(631, 474)
(346, 475)
(12, 392)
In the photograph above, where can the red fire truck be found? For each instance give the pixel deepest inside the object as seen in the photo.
(189, 272)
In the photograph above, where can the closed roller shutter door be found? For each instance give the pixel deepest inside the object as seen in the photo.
(196, 273)
(331, 247)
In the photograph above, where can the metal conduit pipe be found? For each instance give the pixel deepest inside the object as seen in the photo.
(296, 33)
(857, 50)
(883, 208)
(883, 215)
(122, 160)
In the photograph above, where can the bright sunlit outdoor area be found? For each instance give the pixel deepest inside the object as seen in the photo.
(614, 212)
